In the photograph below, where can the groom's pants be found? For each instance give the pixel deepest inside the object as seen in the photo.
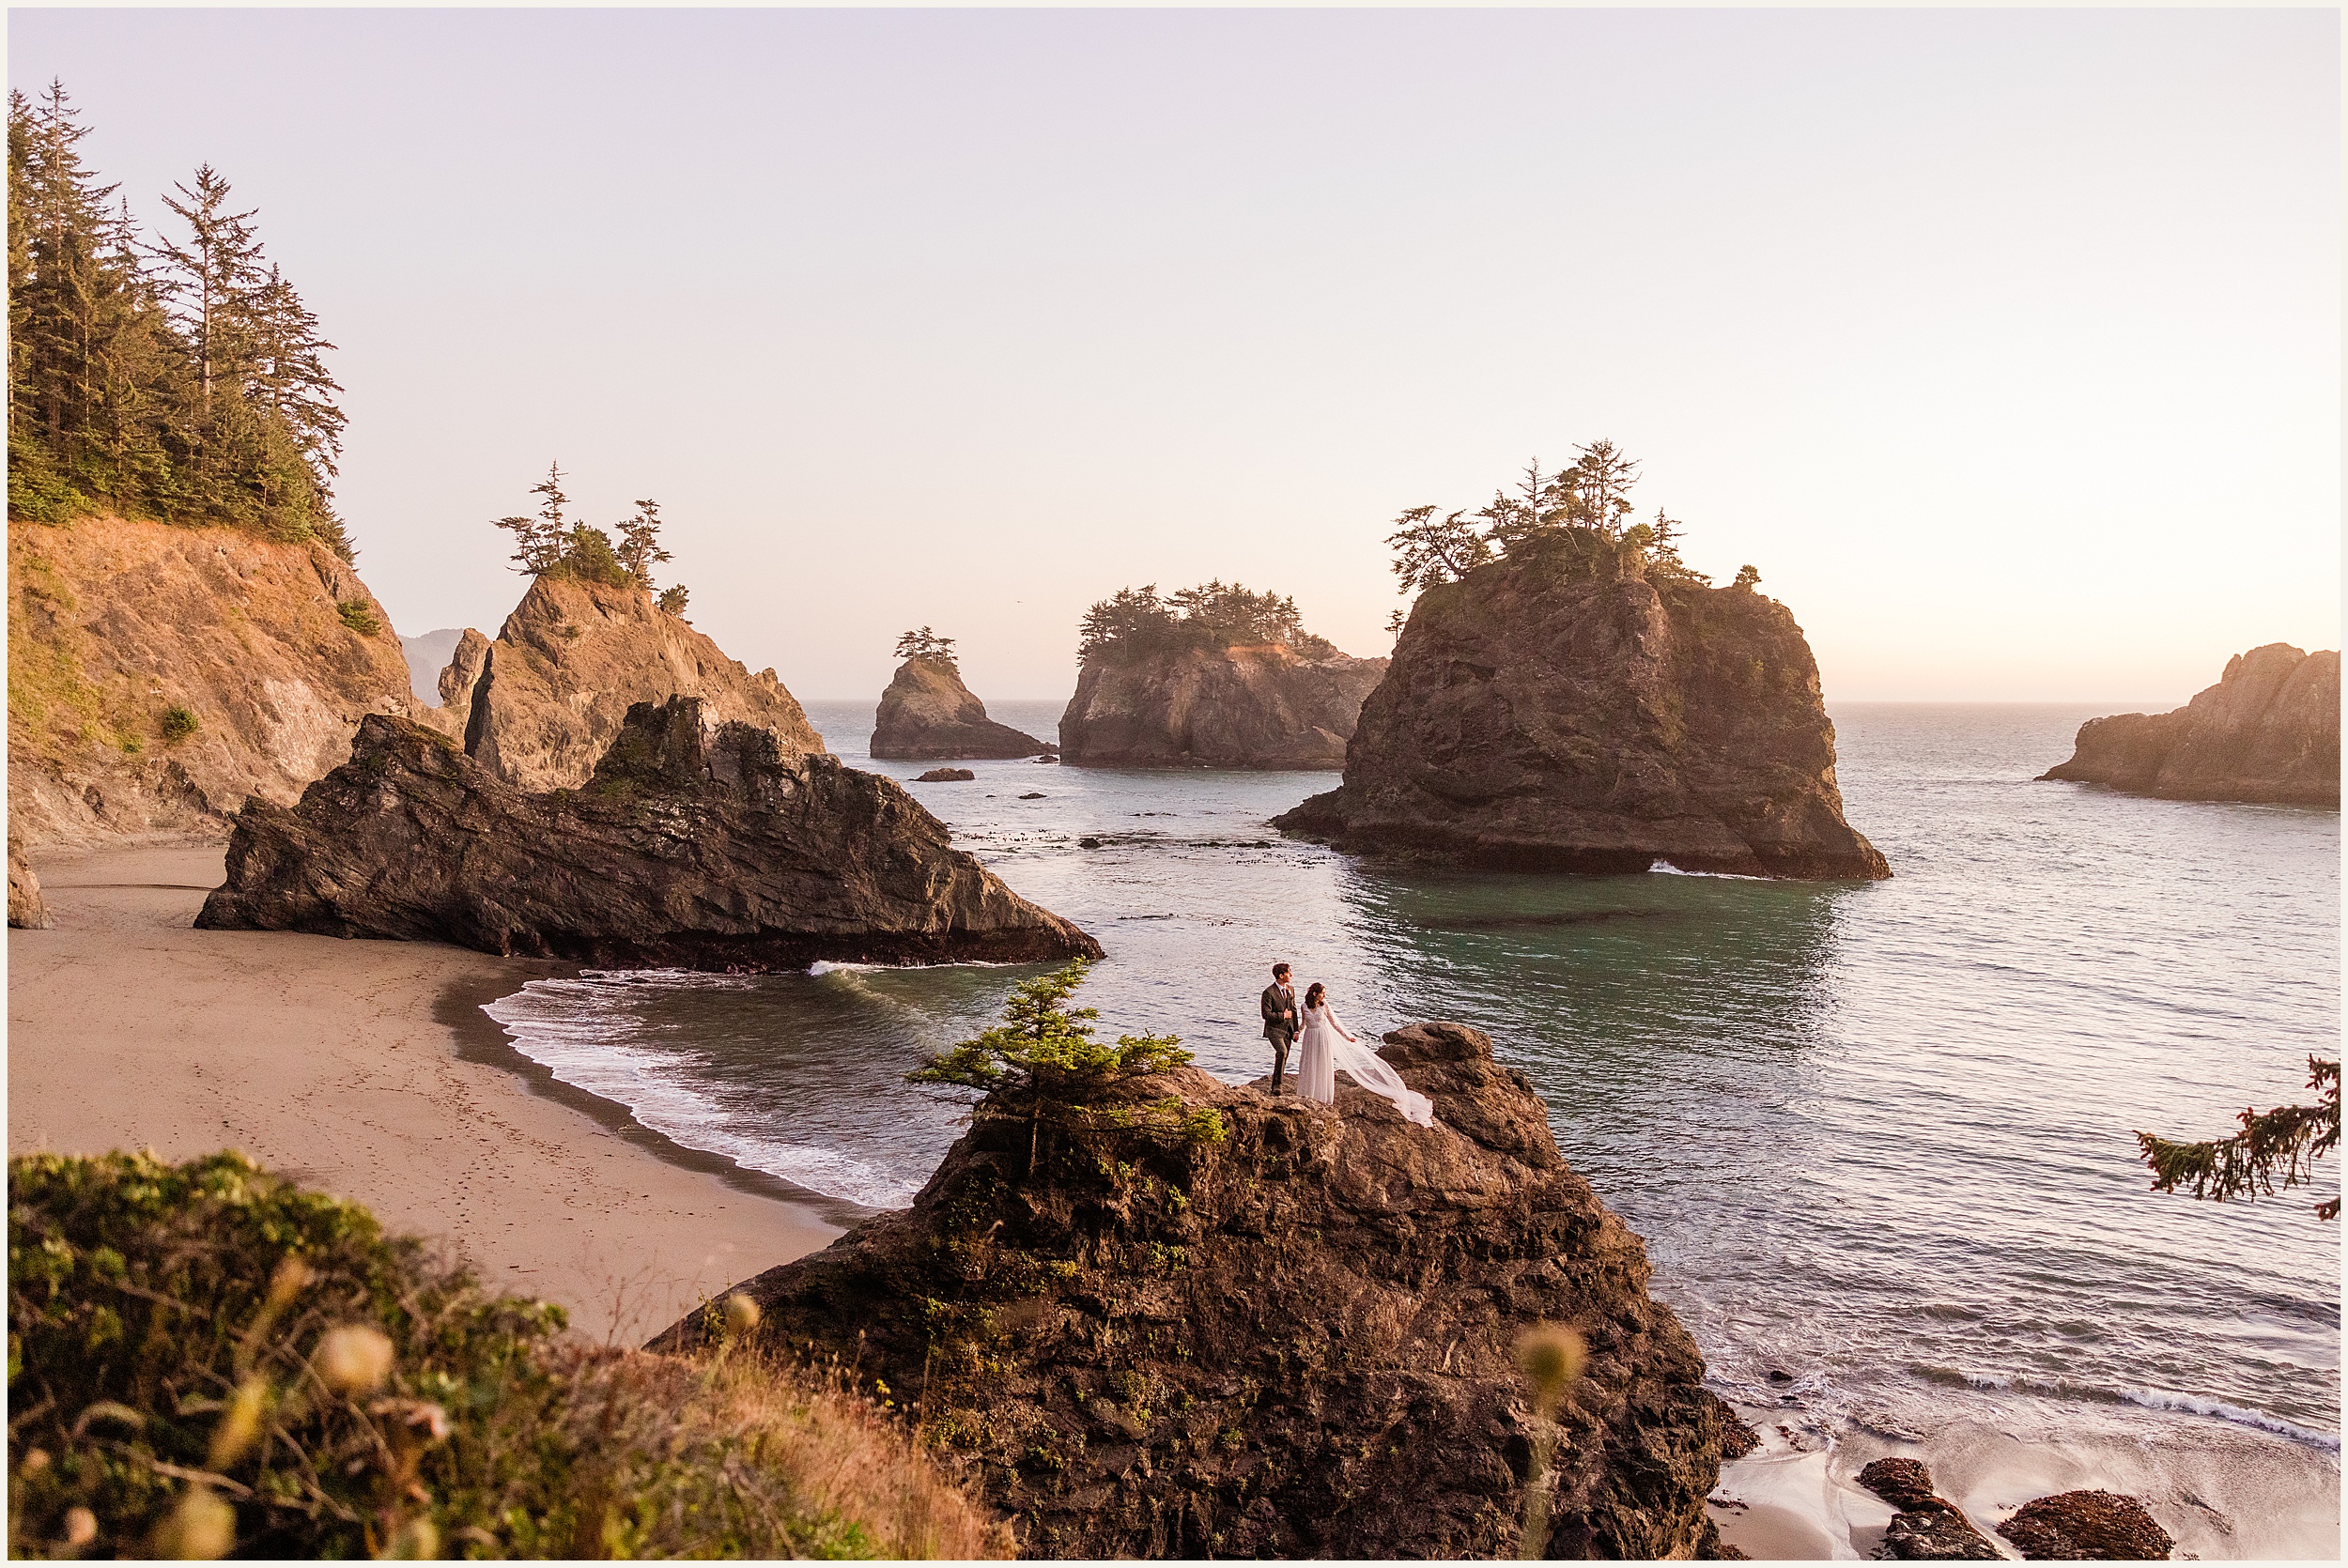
(1280, 1058)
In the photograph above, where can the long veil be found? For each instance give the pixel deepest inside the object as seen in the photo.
(1376, 1074)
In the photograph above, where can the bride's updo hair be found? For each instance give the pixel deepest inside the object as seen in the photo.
(1314, 994)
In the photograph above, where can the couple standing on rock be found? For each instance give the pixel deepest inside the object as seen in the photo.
(1327, 1047)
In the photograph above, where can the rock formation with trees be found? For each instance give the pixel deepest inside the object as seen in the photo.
(927, 714)
(1212, 676)
(1161, 1317)
(1568, 694)
(685, 848)
(2267, 732)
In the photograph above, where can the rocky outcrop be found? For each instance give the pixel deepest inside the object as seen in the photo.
(1737, 1439)
(549, 695)
(685, 849)
(1260, 707)
(462, 673)
(1288, 1332)
(2076, 1526)
(159, 675)
(429, 654)
(945, 775)
(27, 909)
(2267, 732)
(928, 715)
(1556, 710)
(1928, 1528)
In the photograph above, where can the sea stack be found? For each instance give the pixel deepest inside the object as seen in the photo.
(686, 848)
(539, 706)
(2268, 732)
(159, 674)
(1560, 708)
(1188, 1320)
(927, 714)
(1211, 677)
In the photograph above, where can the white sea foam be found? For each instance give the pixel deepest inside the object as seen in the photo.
(1665, 868)
(2160, 1399)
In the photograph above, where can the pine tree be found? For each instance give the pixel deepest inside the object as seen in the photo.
(640, 543)
(540, 541)
(1430, 549)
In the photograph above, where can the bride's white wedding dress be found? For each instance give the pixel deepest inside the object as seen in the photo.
(1327, 1047)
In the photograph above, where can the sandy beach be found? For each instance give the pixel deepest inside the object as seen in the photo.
(365, 1069)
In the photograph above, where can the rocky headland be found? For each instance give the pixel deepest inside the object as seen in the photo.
(158, 675)
(1555, 709)
(927, 714)
(1269, 706)
(688, 848)
(1181, 1319)
(2267, 732)
(539, 705)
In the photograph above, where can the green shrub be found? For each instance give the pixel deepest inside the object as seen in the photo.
(178, 724)
(357, 617)
(203, 1358)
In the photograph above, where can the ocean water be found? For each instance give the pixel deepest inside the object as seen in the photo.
(1876, 1137)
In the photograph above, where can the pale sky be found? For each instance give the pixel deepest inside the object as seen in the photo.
(2006, 344)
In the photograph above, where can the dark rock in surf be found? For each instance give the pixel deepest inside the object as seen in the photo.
(945, 775)
(1737, 1439)
(684, 849)
(1557, 709)
(2267, 732)
(2087, 1526)
(1292, 1341)
(927, 714)
(1928, 1528)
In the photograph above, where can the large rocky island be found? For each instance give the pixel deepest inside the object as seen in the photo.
(1211, 677)
(1565, 707)
(927, 714)
(688, 848)
(1180, 1320)
(2267, 732)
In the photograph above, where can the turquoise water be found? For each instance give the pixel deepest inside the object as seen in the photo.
(1876, 1136)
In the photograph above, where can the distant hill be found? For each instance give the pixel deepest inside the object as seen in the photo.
(427, 655)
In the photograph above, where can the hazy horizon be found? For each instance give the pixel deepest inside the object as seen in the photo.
(2004, 344)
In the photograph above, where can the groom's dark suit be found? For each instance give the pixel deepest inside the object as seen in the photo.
(1279, 1027)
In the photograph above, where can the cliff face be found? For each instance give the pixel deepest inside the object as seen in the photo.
(1261, 707)
(2268, 730)
(547, 697)
(1556, 710)
(1296, 1341)
(158, 675)
(927, 714)
(684, 850)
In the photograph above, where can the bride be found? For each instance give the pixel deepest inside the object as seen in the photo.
(1327, 1047)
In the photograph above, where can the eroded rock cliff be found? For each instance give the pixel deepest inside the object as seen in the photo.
(2267, 732)
(685, 849)
(159, 675)
(1268, 706)
(547, 698)
(928, 715)
(1556, 710)
(1294, 1341)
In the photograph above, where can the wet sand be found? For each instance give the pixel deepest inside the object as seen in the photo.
(367, 1069)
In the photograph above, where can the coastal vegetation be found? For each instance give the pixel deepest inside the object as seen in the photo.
(552, 544)
(203, 1359)
(177, 376)
(925, 643)
(2285, 1142)
(1585, 508)
(1138, 622)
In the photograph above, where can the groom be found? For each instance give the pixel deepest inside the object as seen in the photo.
(1279, 1022)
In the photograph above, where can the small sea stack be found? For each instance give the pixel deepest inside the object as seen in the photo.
(2267, 732)
(1168, 1317)
(688, 848)
(927, 714)
(1211, 677)
(1573, 705)
(1927, 1528)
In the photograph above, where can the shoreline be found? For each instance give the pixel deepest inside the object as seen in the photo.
(367, 1068)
